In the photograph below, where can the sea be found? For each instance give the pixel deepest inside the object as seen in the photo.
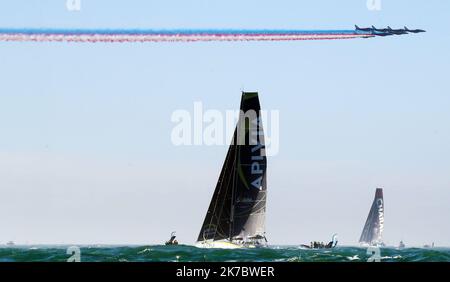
(184, 253)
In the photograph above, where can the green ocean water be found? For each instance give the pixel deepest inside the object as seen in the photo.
(158, 253)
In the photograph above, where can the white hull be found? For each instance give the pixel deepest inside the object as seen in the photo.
(223, 244)
(217, 245)
(366, 245)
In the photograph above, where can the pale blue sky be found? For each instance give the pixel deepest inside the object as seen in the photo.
(85, 150)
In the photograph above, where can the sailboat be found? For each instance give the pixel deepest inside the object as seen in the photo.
(373, 229)
(236, 214)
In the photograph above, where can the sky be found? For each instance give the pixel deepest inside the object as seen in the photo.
(85, 129)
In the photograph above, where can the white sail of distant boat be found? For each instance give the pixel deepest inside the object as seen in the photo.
(236, 214)
(372, 233)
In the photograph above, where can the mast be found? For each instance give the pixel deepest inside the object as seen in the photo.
(233, 191)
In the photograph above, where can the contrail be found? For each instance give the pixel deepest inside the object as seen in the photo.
(191, 35)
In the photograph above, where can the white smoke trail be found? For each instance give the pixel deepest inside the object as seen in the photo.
(191, 36)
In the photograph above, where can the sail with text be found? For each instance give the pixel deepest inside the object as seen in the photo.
(373, 229)
(238, 206)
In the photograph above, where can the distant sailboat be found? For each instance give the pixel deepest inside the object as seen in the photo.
(236, 214)
(372, 233)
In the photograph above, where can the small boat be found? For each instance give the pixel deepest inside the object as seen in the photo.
(172, 241)
(320, 245)
(372, 234)
(237, 211)
(10, 243)
(401, 245)
(429, 246)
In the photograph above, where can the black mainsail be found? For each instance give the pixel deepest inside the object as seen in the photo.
(238, 206)
(373, 229)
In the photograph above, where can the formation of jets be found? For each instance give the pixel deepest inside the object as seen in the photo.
(388, 31)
